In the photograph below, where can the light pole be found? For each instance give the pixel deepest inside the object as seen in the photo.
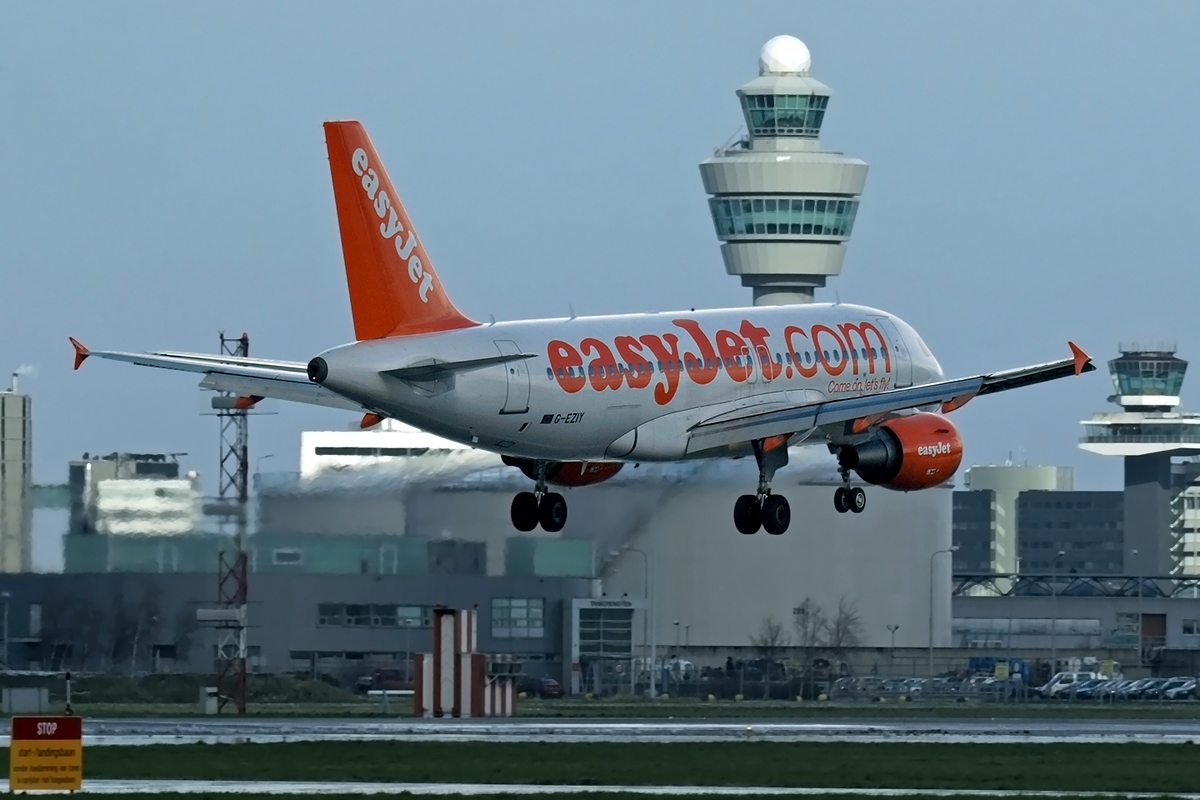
(892, 651)
(1138, 566)
(1054, 615)
(951, 549)
(408, 654)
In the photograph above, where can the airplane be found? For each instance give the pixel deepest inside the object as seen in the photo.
(570, 401)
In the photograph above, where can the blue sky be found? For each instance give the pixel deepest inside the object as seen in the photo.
(1033, 179)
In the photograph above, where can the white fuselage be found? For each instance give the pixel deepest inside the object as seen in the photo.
(629, 387)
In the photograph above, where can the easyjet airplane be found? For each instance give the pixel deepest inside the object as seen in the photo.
(569, 401)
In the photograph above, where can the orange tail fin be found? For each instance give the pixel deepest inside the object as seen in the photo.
(394, 290)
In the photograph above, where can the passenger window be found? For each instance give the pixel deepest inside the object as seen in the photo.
(788, 356)
(612, 370)
(874, 353)
(681, 366)
(549, 373)
(660, 366)
(690, 365)
(621, 368)
(708, 363)
(562, 373)
(592, 371)
(826, 354)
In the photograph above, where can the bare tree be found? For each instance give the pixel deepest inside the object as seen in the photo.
(145, 622)
(186, 626)
(845, 629)
(811, 626)
(769, 643)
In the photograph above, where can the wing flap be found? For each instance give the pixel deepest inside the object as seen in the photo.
(869, 409)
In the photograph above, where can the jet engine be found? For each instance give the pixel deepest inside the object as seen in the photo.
(568, 473)
(911, 452)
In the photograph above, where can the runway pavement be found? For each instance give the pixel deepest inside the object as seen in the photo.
(233, 730)
(318, 788)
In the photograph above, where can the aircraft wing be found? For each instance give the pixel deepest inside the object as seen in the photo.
(251, 378)
(858, 414)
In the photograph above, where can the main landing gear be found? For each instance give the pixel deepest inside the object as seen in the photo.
(764, 510)
(847, 497)
(539, 506)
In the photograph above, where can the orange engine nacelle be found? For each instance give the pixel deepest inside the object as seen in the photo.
(911, 452)
(568, 473)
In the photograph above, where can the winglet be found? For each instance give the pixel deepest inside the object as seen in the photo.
(1082, 360)
(81, 352)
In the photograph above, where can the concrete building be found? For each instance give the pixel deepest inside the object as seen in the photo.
(783, 206)
(1005, 483)
(1148, 433)
(1071, 532)
(16, 476)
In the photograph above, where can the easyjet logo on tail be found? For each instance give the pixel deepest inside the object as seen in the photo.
(392, 227)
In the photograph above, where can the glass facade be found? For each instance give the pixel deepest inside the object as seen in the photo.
(1162, 376)
(783, 216)
(518, 618)
(784, 114)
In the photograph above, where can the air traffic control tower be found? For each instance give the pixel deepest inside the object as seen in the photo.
(1162, 534)
(783, 207)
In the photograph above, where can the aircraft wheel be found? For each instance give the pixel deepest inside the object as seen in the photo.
(747, 514)
(525, 511)
(841, 500)
(553, 512)
(776, 514)
(857, 500)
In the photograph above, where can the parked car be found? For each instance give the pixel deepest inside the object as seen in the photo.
(541, 687)
(1187, 691)
(1061, 684)
(1157, 692)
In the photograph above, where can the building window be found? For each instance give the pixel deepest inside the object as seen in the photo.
(361, 615)
(785, 114)
(789, 216)
(287, 556)
(1191, 627)
(518, 618)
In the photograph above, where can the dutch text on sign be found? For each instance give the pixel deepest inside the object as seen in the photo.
(46, 753)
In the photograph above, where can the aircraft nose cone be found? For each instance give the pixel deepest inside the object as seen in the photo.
(318, 370)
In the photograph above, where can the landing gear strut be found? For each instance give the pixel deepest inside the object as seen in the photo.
(763, 509)
(847, 497)
(539, 506)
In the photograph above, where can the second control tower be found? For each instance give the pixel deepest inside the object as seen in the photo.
(782, 206)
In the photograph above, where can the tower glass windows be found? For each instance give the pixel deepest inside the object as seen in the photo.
(1145, 374)
(784, 114)
(788, 216)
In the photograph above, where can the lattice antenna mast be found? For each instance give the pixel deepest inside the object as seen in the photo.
(232, 572)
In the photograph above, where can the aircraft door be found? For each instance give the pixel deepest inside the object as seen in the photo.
(751, 369)
(901, 358)
(516, 372)
(763, 363)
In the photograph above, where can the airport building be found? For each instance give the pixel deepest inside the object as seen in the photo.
(16, 474)
(782, 205)
(1160, 515)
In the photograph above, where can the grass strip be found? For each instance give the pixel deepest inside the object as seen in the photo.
(686, 709)
(1029, 767)
(562, 796)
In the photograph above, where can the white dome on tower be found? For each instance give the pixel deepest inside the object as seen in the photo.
(784, 55)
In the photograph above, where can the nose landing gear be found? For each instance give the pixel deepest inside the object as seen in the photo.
(770, 512)
(539, 506)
